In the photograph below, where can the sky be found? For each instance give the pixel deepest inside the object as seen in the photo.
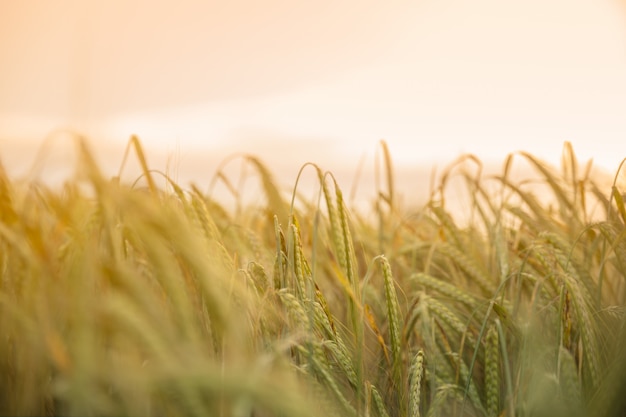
(317, 81)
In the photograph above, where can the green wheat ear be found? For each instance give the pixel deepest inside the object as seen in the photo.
(492, 372)
(395, 321)
(446, 289)
(379, 404)
(415, 384)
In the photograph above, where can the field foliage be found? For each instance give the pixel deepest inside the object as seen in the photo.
(150, 298)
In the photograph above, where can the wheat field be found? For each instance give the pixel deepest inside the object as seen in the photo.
(147, 298)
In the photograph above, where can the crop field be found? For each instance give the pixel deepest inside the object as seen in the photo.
(150, 298)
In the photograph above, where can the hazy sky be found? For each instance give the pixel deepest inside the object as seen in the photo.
(319, 80)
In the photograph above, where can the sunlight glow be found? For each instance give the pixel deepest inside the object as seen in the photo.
(434, 79)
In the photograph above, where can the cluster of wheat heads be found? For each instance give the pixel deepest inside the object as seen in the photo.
(116, 300)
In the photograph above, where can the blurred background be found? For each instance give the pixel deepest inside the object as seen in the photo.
(317, 81)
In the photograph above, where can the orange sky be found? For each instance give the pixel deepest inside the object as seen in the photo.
(323, 81)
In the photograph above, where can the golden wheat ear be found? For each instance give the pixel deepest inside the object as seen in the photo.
(117, 301)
